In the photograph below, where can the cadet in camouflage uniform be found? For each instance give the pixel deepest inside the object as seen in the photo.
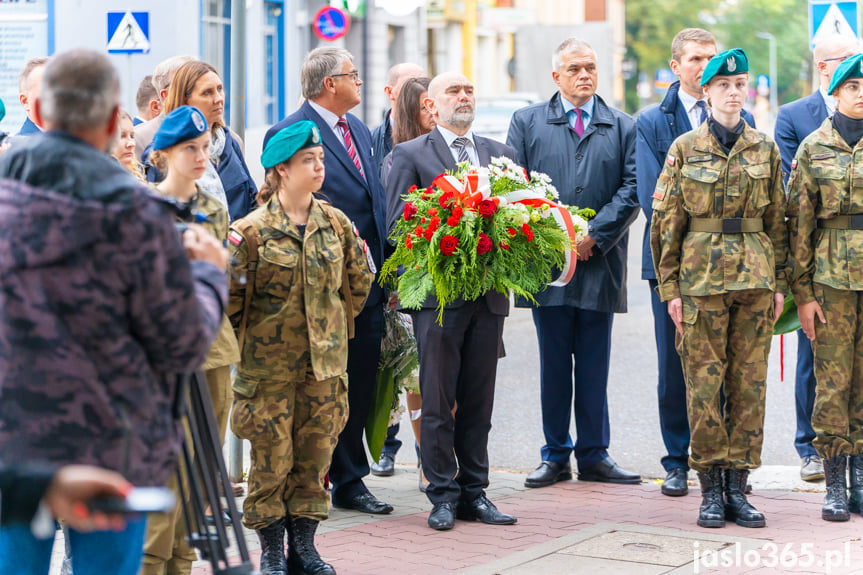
(180, 151)
(290, 393)
(825, 224)
(719, 248)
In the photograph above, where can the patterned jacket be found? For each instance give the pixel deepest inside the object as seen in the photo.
(296, 317)
(101, 311)
(826, 180)
(700, 180)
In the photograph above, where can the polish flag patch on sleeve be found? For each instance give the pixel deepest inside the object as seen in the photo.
(793, 163)
(669, 159)
(235, 238)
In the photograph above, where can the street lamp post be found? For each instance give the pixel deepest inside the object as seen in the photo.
(774, 87)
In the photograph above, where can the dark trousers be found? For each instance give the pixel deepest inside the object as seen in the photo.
(804, 396)
(392, 444)
(350, 463)
(567, 336)
(458, 363)
(671, 388)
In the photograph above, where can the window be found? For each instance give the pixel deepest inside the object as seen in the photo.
(216, 41)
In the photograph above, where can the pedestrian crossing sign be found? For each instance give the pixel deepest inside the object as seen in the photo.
(827, 18)
(128, 32)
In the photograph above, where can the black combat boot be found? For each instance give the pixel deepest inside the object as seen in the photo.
(303, 558)
(737, 508)
(712, 510)
(273, 561)
(855, 483)
(835, 506)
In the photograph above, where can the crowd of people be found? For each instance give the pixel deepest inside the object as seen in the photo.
(106, 303)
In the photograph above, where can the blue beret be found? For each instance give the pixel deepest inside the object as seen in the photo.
(851, 68)
(726, 63)
(288, 141)
(181, 124)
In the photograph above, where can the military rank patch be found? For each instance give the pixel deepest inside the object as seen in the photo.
(235, 238)
(669, 160)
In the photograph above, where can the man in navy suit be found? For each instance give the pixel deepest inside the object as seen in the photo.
(331, 87)
(794, 122)
(458, 357)
(29, 79)
(683, 108)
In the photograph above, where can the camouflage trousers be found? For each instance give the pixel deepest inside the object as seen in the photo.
(724, 347)
(837, 416)
(166, 551)
(293, 428)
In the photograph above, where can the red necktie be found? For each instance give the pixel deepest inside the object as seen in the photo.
(349, 144)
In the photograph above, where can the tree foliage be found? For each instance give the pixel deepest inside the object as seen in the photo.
(651, 25)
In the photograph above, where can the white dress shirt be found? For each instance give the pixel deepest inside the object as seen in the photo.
(690, 104)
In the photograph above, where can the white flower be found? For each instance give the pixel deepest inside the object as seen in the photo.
(540, 177)
(551, 192)
(396, 415)
(580, 226)
(525, 217)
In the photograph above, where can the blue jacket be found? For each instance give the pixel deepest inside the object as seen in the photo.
(595, 171)
(28, 128)
(795, 121)
(657, 127)
(361, 199)
(382, 142)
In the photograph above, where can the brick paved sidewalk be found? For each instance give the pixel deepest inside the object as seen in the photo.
(579, 527)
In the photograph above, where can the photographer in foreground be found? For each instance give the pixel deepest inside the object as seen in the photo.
(102, 309)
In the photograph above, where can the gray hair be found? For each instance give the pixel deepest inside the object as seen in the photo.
(80, 91)
(572, 44)
(24, 74)
(165, 69)
(320, 64)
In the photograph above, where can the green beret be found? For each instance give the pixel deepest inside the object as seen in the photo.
(726, 63)
(851, 68)
(2, 110)
(288, 141)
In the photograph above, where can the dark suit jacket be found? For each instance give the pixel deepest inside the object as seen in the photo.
(795, 121)
(417, 163)
(361, 199)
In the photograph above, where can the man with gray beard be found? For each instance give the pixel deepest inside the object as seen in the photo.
(458, 359)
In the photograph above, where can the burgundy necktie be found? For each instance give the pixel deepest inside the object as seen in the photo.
(349, 143)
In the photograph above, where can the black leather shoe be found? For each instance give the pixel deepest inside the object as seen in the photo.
(442, 516)
(481, 509)
(675, 483)
(548, 473)
(365, 503)
(385, 466)
(607, 471)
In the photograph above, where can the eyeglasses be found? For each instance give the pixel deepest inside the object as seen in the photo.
(840, 58)
(355, 76)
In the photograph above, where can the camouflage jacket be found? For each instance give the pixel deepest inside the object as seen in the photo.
(700, 180)
(101, 310)
(826, 180)
(225, 350)
(296, 317)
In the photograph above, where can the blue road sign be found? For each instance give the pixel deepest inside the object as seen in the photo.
(331, 23)
(827, 18)
(128, 32)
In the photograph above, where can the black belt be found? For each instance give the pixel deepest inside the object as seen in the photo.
(726, 225)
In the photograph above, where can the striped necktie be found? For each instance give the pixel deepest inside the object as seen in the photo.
(703, 107)
(349, 144)
(460, 145)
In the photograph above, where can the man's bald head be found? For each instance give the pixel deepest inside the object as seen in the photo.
(451, 102)
(397, 76)
(829, 52)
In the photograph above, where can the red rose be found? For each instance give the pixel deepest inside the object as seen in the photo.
(409, 243)
(446, 199)
(448, 245)
(434, 223)
(429, 233)
(432, 211)
(487, 208)
(457, 211)
(410, 211)
(511, 232)
(452, 221)
(527, 231)
(504, 245)
(484, 245)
